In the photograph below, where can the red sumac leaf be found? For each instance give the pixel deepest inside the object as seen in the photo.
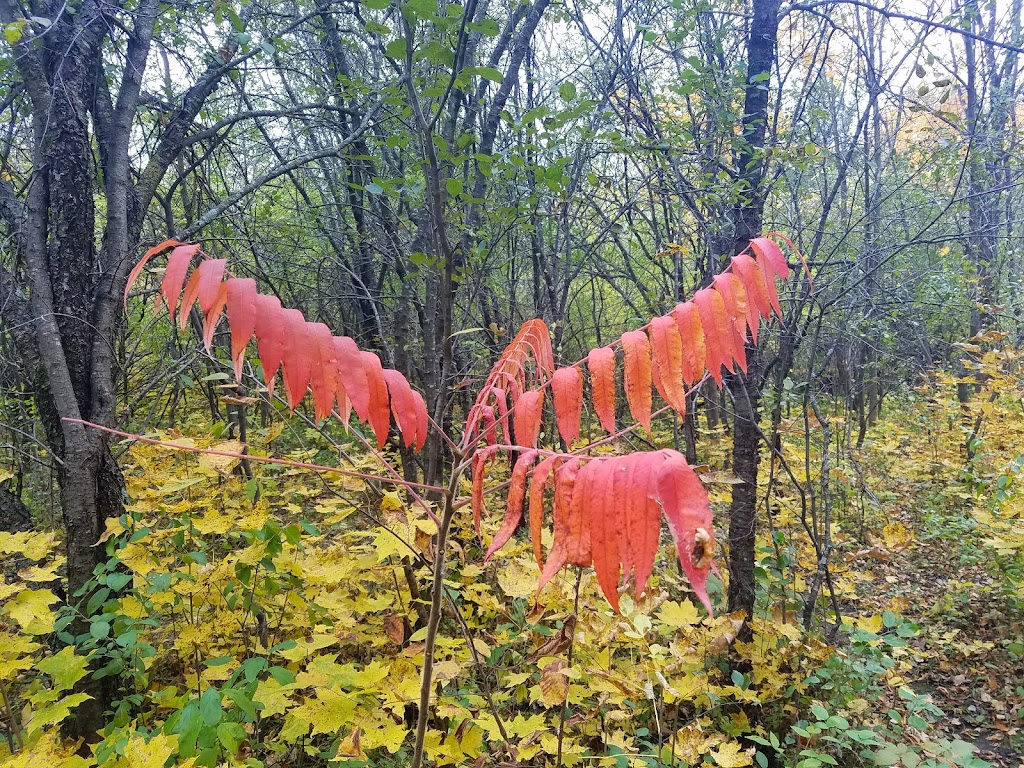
(270, 339)
(527, 417)
(685, 504)
(768, 251)
(403, 405)
(478, 465)
(174, 276)
(380, 414)
(718, 334)
(567, 392)
(352, 375)
(540, 479)
(137, 269)
(298, 356)
(212, 316)
(241, 306)
(691, 335)
(516, 496)
(637, 353)
(601, 364)
(205, 282)
(667, 356)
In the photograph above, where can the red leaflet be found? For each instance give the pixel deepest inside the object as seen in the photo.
(686, 507)
(527, 416)
(734, 295)
(601, 364)
(323, 370)
(270, 340)
(758, 295)
(212, 317)
(490, 433)
(540, 479)
(352, 375)
(501, 403)
(600, 484)
(638, 376)
(241, 305)
(567, 392)
(717, 332)
(137, 269)
(516, 495)
(422, 420)
(380, 414)
(403, 405)
(204, 282)
(174, 276)
(572, 531)
(768, 252)
(667, 356)
(691, 335)
(298, 356)
(480, 458)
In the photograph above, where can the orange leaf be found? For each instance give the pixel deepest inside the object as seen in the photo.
(600, 484)
(205, 280)
(567, 392)
(323, 369)
(691, 334)
(734, 295)
(601, 364)
(667, 357)
(571, 543)
(527, 415)
(422, 420)
(352, 375)
(769, 252)
(753, 277)
(717, 332)
(212, 316)
(638, 376)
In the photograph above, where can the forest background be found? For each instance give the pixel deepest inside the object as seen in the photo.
(425, 177)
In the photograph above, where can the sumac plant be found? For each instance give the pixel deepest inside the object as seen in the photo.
(606, 509)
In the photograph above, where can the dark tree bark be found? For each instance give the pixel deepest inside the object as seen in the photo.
(66, 283)
(745, 390)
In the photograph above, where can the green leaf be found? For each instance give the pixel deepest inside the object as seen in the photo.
(487, 73)
(231, 736)
(99, 629)
(12, 32)
(210, 707)
(374, 188)
(375, 28)
(567, 91)
(118, 581)
(243, 702)
(396, 48)
(377, 5)
(454, 186)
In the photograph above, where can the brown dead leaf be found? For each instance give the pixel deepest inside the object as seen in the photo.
(394, 628)
(556, 644)
(554, 685)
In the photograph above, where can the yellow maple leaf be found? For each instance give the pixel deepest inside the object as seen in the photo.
(65, 667)
(139, 753)
(732, 755)
(31, 609)
(679, 615)
(328, 712)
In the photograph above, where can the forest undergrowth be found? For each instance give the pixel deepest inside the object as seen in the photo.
(278, 619)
